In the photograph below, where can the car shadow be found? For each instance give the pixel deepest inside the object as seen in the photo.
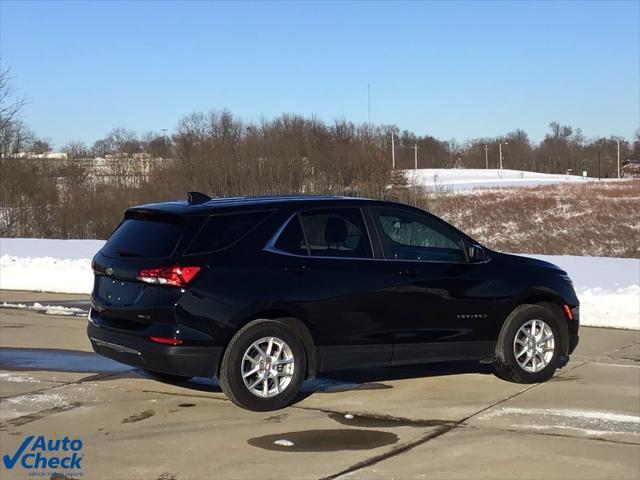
(373, 378)
(104, 369)
(403, 372)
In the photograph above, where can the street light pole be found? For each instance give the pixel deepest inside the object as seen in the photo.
(416, 156)
(486, 156)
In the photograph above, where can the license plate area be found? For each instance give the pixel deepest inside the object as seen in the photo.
(118, 292)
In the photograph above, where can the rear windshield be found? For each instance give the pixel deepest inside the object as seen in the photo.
(138, 238)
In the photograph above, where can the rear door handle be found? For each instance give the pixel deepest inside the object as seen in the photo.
(296, 268)
(410, 272)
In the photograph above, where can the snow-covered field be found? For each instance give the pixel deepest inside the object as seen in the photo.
(608, 288)
(469, 178)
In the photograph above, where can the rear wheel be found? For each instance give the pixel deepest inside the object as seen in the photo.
(530, 345)
(263, 366)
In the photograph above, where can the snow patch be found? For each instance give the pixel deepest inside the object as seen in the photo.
(46, 274)
(23, 404)
(17, 378)
(47, 309)
(37, 247)
(471, 178)
(587, 422)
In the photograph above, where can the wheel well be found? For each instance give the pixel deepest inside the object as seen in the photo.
(546, 301)
(297, 326)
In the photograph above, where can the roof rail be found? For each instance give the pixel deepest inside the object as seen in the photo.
(196, 198)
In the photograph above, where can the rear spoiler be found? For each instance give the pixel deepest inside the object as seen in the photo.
(166, 210)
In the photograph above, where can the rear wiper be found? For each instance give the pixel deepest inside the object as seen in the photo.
(123, 253)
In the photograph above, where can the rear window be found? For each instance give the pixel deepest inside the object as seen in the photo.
(138, 238)
(221, 231)
(339, 232)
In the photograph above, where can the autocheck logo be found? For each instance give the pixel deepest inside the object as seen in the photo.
(40, 453)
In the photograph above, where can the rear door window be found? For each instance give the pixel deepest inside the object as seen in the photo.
(221, 231)
(144, 238)
(339, 232)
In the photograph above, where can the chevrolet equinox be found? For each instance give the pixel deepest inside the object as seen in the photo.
(265, 292)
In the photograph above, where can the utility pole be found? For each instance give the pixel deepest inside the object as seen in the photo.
(500, 148)
(393, 152)
(618, 158)
(486, 156)
(416, 156)
(598, 164)
(369, 105)
(164, 140)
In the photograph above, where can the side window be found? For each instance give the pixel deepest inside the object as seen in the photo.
(408, 236)
(339, 232)
(221, 231)
(291, 239)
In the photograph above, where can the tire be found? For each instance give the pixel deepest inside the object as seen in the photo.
(510, 364)
(167, 377)
(241, 357)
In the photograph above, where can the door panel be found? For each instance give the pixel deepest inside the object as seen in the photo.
(329, 273)
(441, 301)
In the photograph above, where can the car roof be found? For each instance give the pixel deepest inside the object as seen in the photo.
(182, 207)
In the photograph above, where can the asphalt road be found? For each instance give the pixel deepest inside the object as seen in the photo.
(426, 422)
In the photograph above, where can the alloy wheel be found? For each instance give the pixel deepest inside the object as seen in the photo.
(267, 367)
(534, 346)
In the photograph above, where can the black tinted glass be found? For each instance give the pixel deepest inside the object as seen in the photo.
(143, 239)
(221, 231)
(291, 239)
(336, 233)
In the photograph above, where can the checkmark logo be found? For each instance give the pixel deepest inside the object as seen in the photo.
(10, 462)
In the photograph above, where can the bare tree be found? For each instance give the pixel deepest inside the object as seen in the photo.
(76, 149)
(41, 145)
(10, 106)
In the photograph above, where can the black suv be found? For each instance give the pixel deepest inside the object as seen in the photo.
(264, 292)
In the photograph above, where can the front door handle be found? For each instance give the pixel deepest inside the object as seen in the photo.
(296, 268)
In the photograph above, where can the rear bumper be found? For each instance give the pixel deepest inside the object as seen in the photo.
(186, 361)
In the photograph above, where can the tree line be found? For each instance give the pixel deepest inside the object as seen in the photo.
(223, 155)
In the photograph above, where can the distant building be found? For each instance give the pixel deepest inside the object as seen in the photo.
(47, 155)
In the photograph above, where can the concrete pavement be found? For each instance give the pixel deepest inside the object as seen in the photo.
(438, 421)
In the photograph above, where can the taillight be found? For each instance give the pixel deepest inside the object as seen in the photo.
(176, 276)
(568, 312)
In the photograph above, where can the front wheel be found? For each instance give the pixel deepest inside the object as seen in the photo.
(263, 366)
(530, 345)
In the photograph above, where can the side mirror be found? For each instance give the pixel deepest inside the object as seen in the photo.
(476, 253)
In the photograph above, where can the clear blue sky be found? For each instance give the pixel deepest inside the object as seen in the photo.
(453, 70)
